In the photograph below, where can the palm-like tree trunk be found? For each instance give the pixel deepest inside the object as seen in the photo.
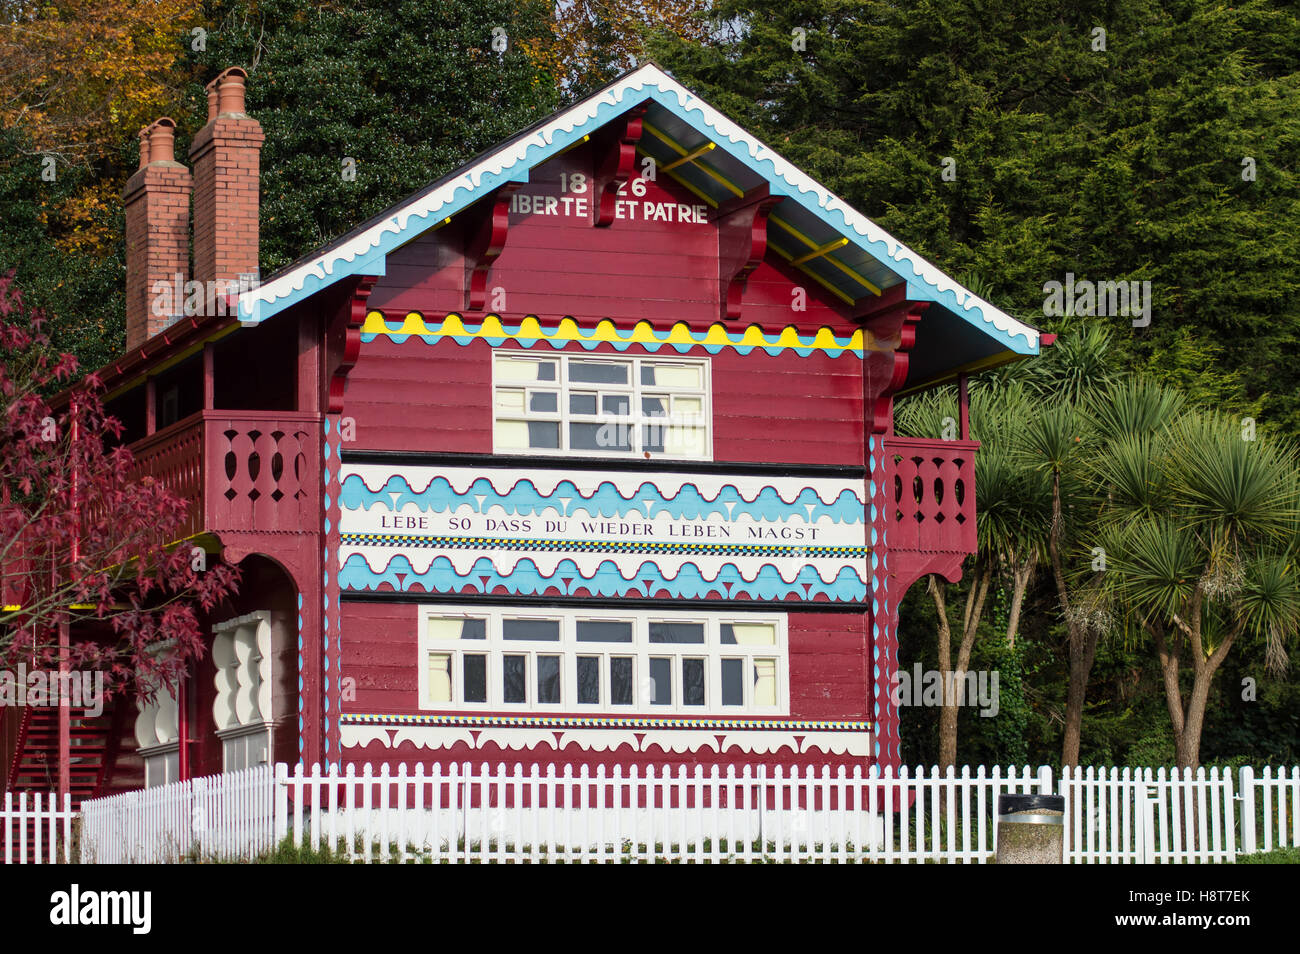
(953, 678)
(1188, 716)
(1082, 641)
(1022, 573)
(1082, 652)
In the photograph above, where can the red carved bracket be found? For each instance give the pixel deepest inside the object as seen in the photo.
(617, 162)
(742, 243)
(351, 343)
(901, 321)
(485, 242)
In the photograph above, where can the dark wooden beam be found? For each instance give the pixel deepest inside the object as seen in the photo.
(209, 378)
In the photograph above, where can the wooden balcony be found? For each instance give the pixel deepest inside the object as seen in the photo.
(932, 486)
(239, 470)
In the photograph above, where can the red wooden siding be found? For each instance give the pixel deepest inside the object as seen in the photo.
(768, 409)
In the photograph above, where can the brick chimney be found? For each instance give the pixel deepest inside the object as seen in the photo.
(157, 199)
(226, 154)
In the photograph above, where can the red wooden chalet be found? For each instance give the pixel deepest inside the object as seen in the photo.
(583, 453)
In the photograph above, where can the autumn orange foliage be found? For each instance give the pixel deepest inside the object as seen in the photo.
(82, 76)
(593, 41)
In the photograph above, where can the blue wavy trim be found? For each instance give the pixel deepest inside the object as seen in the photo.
(647, 501)
(647, 581)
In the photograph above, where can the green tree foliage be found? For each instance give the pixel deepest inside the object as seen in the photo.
(1117, 164)
(80, 288)
(406, 89)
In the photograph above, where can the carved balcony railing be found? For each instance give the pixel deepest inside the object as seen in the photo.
(239, 470)
(931, 485)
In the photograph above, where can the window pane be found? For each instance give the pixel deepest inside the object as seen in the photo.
(548, 679)
(620, 405)
(733, 682)
(604, 631)
(547, 629)
(589, 680)
(764, 682)
(514, 678)
(455, 628)
(543, 434)
(652, 438)
(620, 681)
(598, 372)
(688, 406)
(693, 682)
(671, 375)
(755, 634)
(727, 634)
(661, 682)
(509, 400)
(654, 406)
(511, 434)
(676, 632)
(582, 404)
(543, 401)
(440, 677)
(524, 369)
(684, 440)
(475, 675)
(600, 437)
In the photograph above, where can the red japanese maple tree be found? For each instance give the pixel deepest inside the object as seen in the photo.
(83, 539)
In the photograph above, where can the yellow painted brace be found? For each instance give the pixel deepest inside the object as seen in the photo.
(791, 230)
(689, 157)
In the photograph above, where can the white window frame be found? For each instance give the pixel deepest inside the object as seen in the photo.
(495, 647)
(564, 390)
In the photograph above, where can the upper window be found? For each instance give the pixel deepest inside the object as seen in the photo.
(595, 405)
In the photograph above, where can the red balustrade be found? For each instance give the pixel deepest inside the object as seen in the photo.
(174, 457)
(239, 470)
(932, 486)
(263, 471)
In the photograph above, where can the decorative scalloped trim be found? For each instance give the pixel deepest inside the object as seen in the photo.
(365, 251)
(646, 581)
(605, 500)
(470, 720)
(679, 741)
(680, 337)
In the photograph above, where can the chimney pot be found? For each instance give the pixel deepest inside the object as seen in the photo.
(143, 136)
(230, 93)
(162, 141)
(212, 101)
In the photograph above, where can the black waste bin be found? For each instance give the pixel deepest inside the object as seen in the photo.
(1031, 829)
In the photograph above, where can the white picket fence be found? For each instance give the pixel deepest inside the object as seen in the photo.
(1127, 816)
(222, 816)
(687, 813)
(30, 828)
(1270, 815)
(482, 813)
